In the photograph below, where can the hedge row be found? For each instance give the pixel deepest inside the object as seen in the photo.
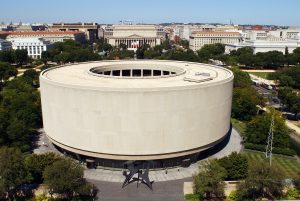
(276, 150)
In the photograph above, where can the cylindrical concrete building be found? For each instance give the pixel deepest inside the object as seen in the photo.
(136, 109)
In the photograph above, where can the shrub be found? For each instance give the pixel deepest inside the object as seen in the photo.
(276, 150)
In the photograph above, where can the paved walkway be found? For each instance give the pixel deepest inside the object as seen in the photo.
(162, 191)
(293, 127)
(234, 144)
(259, 71)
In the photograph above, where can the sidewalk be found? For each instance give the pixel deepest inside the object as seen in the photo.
(293, 127)
(234, 144)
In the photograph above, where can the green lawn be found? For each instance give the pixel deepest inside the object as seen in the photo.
(289, 165)
(240, 126)
(261, 74)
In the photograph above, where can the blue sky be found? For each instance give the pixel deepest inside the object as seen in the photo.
(278, 12)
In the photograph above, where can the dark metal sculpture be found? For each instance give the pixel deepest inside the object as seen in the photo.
(136, 167)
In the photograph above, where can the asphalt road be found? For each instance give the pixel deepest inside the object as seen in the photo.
(162, 191)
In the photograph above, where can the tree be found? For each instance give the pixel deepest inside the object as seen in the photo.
(271, 59)
(236, 166)
(241, 78)
(140, 52)
(296, 55)
(62, 58)
(245, 56)
(182, 55)
(6, 71)
(36, 164)
(209, 182)
(13, 172)
(263, 181)
(184, 43)
(65, 177)
(166, 44)
(31, 77)
(123, 46)
(288, 77)
(7, 56)
(4, 122)
(257, 130)
(20, 104)
(21, 56)
(244, 102)
(211, 51)
(290, 98)
(45, 56)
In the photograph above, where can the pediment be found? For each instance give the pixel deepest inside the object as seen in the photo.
(135, 36)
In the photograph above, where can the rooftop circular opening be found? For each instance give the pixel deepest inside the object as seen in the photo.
(136, 71)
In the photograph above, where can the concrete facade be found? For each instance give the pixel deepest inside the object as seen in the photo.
(134, 36)
(52, 36)
(266, 45)
(34, 46)
(200, 38)
(90, 29)
(136, 117)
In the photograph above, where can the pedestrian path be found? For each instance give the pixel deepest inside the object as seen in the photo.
(109, 175)
(234, 144)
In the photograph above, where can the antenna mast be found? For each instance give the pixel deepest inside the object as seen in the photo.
(270, 141)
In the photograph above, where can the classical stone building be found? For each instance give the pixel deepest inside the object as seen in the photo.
(34, 45)
(200, 38)
(134, 36)
(90, 29)
(51, 36)
(266, 45)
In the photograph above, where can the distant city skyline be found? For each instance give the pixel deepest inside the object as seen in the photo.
(268, 12)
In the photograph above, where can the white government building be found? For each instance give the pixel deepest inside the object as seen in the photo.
(134, 35)
(266, 45)
(52, 36)
(279, 34)
(34, 46)
(200, 38)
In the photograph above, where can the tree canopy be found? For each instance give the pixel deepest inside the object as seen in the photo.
(13, 171)
(244, 103)
(21, 113)
(257, 130)
(209, 182)
(211, 51)
(263, 181)
(236, 166)
(65, 177)
(69, 51)
(6, 71)
(36, 164)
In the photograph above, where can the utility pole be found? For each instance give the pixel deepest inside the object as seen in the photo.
(270, 141)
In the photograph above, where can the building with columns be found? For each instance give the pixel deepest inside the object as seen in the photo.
(34, 46)
(52, 36)
(133, 36)
(200, 38)
(90, 29)
(266, 45)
